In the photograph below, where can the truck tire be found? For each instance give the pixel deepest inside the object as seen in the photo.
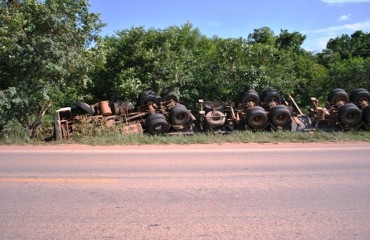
(337, 95)
(86, 107)
(349, 115)
(156, 124)
(214, 105)
(250, 95)
(366, 114)
(215, 118)
(147, 96)
(280, 116)
(271, 95)
(179, 115)
(256, 118)
(172, 93)
(358, 95)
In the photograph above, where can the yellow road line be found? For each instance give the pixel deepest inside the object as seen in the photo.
(59, 180)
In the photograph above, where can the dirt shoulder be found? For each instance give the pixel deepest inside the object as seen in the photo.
(71, 147)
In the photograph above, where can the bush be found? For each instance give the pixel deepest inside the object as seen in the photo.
(14, 133)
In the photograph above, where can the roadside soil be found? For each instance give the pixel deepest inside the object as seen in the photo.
(72, 147)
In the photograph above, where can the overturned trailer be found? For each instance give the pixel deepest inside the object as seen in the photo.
(342, 112)
(165, 114)
(250, 114)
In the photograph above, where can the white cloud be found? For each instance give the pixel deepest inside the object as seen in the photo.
(344, 1)
(344, 18)
(322, 42)
(318, 38)
(352, 27)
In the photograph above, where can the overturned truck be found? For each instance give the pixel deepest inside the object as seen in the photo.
(165, 114)
(154, 115)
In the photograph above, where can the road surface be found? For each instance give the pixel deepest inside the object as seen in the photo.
(225, 191)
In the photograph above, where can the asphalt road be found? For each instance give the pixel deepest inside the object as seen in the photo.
(249, 191)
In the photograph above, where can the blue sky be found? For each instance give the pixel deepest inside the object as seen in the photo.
(319, 20)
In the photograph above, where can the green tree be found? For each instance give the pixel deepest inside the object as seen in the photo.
(361, 44)
(327, 57)
(356, 45)
(138, 59)
(341, 45)
(290, 41)
(262, 35)
(44, 54)
(349, 74)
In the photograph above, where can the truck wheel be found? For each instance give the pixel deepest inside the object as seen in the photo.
(250, 95)
(85, 107)
(147, 96)
(358, 95)
(337, 95)
(156, 124)
(349, 115)
(214, 105)
(171, 93)
(366, 114)
(179, 115)
(215, 118)
(280, 116)
(271, 95)
(256, 118)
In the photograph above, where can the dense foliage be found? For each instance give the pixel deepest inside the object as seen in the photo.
(44, 56)
(202, 67)
(51, 56)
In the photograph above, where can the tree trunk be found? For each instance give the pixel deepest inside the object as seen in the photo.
(35, 126)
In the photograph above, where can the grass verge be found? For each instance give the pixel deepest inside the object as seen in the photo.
(98, 134)
(234, 137)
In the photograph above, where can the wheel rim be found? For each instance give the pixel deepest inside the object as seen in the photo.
(180, 116)
(215, 119)
(257, 120)
(281, 119)
(351, 118)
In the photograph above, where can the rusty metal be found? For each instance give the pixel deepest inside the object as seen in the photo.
(105, 109)
(272, 104)
(296, 120)
(217, 116)
(151, 107)
(192, 116)
(249, 104)
(135, 116)
(295, 105)
(132, 128)
(232, 112)
(363, 103)
(122, 108)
